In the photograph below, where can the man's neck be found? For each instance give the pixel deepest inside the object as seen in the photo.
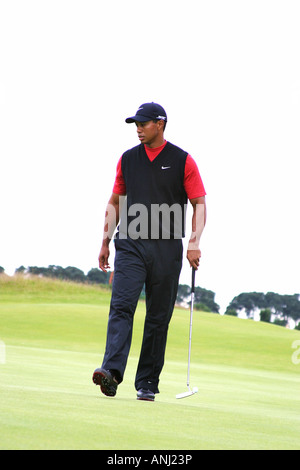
(157, 143)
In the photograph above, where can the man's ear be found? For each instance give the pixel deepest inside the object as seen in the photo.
(161, 124)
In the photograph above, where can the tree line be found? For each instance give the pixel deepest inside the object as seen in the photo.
(204, 299)
(280, 307)
(270, 307)
(69, 273)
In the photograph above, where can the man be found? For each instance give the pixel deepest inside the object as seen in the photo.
(157, 178)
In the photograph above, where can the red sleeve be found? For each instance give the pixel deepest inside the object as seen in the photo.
(193, 184)
(119, 186)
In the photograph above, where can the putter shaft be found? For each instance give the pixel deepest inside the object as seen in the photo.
(195, 389)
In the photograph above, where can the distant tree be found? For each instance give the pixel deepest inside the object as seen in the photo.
(204, 299)
(36, 270)
(183, 293)
(74, 274)
(265, 315)
(207, 298)
(70, 273)
(231, 311)
(291, 306)
(1, 270)
(202, 307)
(95, 275)
(279, 322)
(287, 306)
(274, 301)
(248, 301)
(20, 270)
(55, 271)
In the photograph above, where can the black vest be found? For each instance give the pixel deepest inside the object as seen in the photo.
(156, 198)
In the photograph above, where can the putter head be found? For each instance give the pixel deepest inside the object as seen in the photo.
(187, 394)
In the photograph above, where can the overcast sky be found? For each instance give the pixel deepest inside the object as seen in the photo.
(228, 74)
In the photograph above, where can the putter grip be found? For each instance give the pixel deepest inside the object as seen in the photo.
(193, 279)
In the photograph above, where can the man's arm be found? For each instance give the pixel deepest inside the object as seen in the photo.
(198, 224)
(112, 216)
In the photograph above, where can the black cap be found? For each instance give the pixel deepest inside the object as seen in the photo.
(148, 112)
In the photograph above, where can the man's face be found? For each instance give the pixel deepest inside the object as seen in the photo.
(148, 132)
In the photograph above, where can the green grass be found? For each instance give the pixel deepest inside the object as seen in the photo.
(54, 334)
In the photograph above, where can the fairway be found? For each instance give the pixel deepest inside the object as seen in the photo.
(54, 336)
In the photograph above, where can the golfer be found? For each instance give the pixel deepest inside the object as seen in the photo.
(153, 184)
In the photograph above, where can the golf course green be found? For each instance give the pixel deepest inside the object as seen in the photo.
(52, 337)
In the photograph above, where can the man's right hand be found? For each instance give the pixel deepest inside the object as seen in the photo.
(103, 258)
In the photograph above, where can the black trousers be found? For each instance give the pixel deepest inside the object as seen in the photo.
(157, 264)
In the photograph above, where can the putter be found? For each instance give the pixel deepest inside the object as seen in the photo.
(195, 389)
